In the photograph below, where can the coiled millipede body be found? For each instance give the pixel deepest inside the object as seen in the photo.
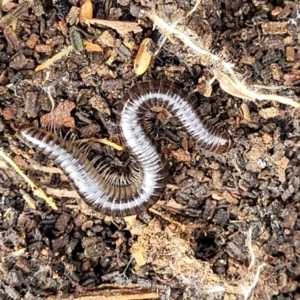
(119, 196)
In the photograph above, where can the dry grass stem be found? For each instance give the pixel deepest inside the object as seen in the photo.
(29, 200)
(194, 8)
(103, 141)
(222, 70)
(247, 291)
(249, 245)
(156, 212)
(48, 63)
(35, 189)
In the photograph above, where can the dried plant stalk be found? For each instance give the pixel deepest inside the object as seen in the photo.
(222, 70)
(103, 141)
(48, 63)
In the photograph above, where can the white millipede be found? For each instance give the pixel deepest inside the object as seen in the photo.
(119, 196)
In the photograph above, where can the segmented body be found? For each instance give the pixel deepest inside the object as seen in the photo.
(101, 190)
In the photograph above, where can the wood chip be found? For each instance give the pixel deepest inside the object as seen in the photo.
(248, 60)
(60, 116)
(290, 53)
(274, 28)
(282, 165)
(181, 155)
(32, 40)
(41, 48)
(12, 38)
(267, 139)
(15, 14)
(290, 78)
(288, 40)
(229, 198)
(276, 71)
(100, 103)
(270, 112)
(120, 26)
(63, 27)
(72, 17)
(19, 62)
(276, 11)
(91, 47)
(246, 112)
(31, 100)
(10, 112)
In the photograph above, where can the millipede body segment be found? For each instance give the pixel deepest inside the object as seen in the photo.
(121, 196)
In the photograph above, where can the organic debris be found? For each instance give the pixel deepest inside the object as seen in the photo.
(230, 81)
(121, 27)
(38, 192)
(226, 226)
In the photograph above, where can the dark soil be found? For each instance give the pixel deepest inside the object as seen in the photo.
(226, 224)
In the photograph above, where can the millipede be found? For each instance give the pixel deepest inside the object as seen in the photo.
(106, 191)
